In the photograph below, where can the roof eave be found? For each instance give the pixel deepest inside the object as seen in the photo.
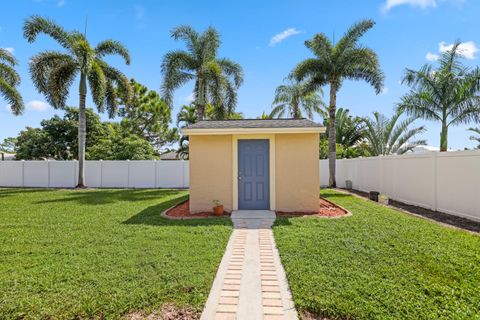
(224, 131)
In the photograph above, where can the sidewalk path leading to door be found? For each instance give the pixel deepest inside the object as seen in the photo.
(250, 283)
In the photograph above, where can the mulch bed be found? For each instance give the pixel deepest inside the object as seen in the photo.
(327, 210)
(459, 222)
(182, 211)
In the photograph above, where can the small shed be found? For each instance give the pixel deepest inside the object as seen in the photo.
(254, 164)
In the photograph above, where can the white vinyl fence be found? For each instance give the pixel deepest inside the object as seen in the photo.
(446, 181)
(443, 181)
(98, 174)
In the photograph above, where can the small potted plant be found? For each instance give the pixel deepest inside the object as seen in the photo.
(217, 208)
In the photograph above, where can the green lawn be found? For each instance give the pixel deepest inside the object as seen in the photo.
(102, 253)
(379, 264)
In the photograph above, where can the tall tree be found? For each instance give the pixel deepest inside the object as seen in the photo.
(8, 145)
(389, 136)
(295, 97)
(216, 79)
(147, 115)
(9, 80)
(53, 73)
(335, 62)
(448, 94)
(477, 137)
(120, 144)
(58, 137)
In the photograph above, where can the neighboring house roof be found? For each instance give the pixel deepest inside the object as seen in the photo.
(171, 155)
(426, 148)
(7, 156)
(253, 126)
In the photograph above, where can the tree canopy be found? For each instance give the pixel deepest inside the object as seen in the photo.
(448, 94)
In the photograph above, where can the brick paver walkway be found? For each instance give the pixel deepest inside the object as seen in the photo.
(250, 282)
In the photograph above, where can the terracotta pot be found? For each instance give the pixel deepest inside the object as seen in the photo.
(218, 210)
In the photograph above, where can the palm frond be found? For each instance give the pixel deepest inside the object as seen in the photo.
(12, 96)
(42, 64)
(8, 74)
(363, 64)
(8, 57)
(112, 47)
(232, 69)
(177, 67)
(98, 84)
(60, 78)
(386, 136)
(117, 85)
(353, 34)
(321, 46)
(35, 25)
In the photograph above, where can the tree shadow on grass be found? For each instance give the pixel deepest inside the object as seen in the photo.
(9, 192)
(106, 196)
(151, 216)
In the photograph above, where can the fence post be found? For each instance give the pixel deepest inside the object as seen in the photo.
(155, 173)
(48, 173)
(183, 173)
(23, 173)
(435, 179)
(101, 173)
(128, 173)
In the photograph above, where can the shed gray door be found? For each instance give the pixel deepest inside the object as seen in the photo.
(253, 175)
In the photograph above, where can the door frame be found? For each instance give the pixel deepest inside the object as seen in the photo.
(271, 166)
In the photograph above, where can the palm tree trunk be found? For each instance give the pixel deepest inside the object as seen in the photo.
(82, 131)
(296, 111)
(201, 100)
(332, 146)
(444, 137)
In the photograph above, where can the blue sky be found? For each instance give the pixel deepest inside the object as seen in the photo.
(265, 37)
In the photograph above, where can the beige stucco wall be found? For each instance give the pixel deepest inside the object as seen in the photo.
(210, 172)
(297, 180)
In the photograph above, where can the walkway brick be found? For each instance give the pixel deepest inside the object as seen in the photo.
(250, 282)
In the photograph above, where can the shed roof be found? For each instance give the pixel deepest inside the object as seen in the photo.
(253, 126)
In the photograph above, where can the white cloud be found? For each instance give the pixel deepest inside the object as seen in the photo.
(37, 105)
(432, 56)
(389, 4)
(279, 37)
(466, 49)
(10, 49)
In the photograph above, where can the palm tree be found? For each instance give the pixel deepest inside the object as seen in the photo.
(475, 138)
(216, 79)
(295, 97)
(388, 136)
(265, 116)
(348, 130)
(9, 79)
(53, 73)
(335, 62)
(448, 94)
(186, 116)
